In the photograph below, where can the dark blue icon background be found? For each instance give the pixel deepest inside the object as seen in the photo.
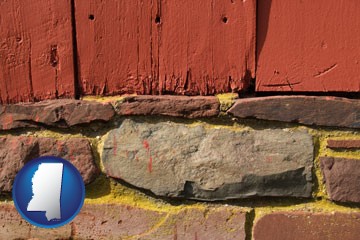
(72, 193)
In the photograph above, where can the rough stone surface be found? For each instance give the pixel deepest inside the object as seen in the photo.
(59, 113)
(109, 221)
(15, 151)
(325, 111)
(342, 178)
(179, 160)
(343, 144)
(177, 106)
(307, 226)
(13, 226)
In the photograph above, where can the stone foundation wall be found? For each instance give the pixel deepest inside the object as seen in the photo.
(176, 167)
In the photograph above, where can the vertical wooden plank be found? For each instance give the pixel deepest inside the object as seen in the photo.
(206, 46)
(36, 60)
(306, 45)
(160, 47)
(114, 46)
(233, 43)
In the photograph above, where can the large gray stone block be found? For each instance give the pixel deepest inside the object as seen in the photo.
(197, 162)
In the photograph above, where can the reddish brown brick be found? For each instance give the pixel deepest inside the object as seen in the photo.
(176, 106)
(13, 226)
(224, 223)
(15, 151)
(109, 221)
(342, 178)
(343, 144)
(308, 226)
(76, 150)
(117, 221)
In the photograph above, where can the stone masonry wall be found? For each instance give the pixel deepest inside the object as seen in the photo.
(177, 167)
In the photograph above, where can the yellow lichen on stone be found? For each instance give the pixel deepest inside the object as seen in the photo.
(320, 150)
(105, 99)
(226, 100)
(340, 153)
(104, 190)
(56, 135)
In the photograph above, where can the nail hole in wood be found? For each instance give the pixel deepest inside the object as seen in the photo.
(91, 17)
(54, 57)
(225, 19)
(157, 20)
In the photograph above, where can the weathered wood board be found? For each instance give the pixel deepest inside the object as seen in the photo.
(165, 46)
(308, 46)
(36, 50)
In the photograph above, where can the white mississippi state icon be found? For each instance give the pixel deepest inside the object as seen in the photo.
(48, 192)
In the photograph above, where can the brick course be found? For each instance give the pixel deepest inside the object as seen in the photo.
(343, 144)
(308, 226)
(118, 221)
(16, 151)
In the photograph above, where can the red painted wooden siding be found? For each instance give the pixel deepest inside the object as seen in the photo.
(156, 47)
(36, 54)
(115, 42)
(206, 47)
(186, 47)
(307, 45)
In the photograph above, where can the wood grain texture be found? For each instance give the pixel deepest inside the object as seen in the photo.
(165, 46)
(307, 45)
(36, 54)
(114, 41)
(206, 47)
